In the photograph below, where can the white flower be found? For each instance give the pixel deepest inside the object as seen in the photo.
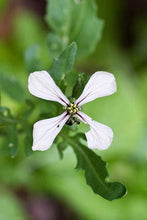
(100, 84)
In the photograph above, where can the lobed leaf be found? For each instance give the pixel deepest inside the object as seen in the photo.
(96, 173)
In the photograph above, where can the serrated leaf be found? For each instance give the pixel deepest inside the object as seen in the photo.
(64, 63)
(32, 58)
(76, 21)
(11, 86)
(96, 173)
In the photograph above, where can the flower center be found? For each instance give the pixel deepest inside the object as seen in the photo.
(72, 108)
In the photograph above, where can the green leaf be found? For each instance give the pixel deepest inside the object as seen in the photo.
(64, 63)
(6, 117)
(61, 147)
(10, 130)
(4, 113)
(79, 85)
(12, 139)
(29, 107)
(77, 21)
(54, 44)
(27, 129)
(32, 58)
(28, 140)
(63, 85)
(58, 15)
(11, 86)
(95, 172)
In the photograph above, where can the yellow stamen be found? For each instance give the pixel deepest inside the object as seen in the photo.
(72, 108)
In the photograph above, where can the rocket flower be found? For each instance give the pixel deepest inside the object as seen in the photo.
(42, 85)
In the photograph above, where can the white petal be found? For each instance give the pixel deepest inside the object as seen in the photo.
(42, 85)
(100, 136)
(45, 131)
(100, 84)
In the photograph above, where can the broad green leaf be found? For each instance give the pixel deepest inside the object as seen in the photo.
(11, 86)
(64, 63)
(76, 21)
(32, 59)
(96, 173)
(12, 139)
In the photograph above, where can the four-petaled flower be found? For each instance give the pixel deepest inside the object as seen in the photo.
(43, 86)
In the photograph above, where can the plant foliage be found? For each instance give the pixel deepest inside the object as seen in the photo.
(76, 30)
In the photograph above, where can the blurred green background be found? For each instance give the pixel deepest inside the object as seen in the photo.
(42, 186)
